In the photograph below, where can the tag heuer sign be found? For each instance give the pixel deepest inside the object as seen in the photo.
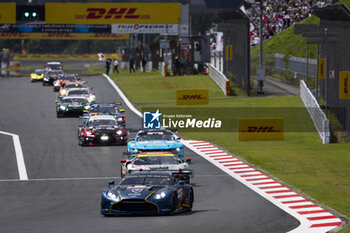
(164, 44)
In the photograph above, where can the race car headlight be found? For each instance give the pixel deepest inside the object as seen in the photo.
(178, 149)
(46, 79)
(120, 119)
(160, 195)
(119, 132)
(63, 107)
(112, 195)
(86, 106)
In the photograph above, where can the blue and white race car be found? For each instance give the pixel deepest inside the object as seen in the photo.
(147, 192)
(156, 140)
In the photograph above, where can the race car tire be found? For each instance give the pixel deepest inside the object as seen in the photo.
(173, 205)
(59, 115)
(191, 198)
(80, 142)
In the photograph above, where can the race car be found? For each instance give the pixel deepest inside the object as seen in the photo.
(50, 76)
(147, 192)
(101, 130)
(82, 92)
(71, 106)
(156, 140)
(148, 161)
(37, 75)
(108, 109)
(69, 85)
(54, 65)
(57, 84)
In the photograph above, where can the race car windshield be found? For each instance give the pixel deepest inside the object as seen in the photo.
(102, 122)
(146, 180)
(154, 160)
(151, 136)
(69, 77)
(54, 73)
(104, 109)
(54, 67)
(74, 101)
(73, 86)
(78, 92)
(38, 72)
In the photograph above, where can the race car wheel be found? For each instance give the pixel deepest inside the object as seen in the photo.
(191, 199)
(173, 205)
(81, 142)
(59, 115)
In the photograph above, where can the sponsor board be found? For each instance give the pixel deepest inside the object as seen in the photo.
(169, 29)
(63, 36)
(344, 85)
(111, 13)
(321, 68)
(192, 96)
(260, 129)
(8, 13)
(58, 28)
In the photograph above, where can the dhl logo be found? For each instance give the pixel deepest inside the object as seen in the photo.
(112, 13)
(261, 129)
(13, 34)
(192, 97)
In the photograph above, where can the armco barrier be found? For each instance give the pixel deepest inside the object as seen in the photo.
(220, 79)
(317, 115)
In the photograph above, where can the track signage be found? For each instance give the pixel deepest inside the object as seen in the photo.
(344, 85)
(7, 13)
(260, 129)
(112, 13)
(192, 96)
(63, 36)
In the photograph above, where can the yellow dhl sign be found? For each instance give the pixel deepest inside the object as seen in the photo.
(112, 13)
(63, 36)
(192, 96)
(344, 85)
(321, 68)
(7, 13)
(228, 52)
(260, 129)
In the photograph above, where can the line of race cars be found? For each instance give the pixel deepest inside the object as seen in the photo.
(155, 175)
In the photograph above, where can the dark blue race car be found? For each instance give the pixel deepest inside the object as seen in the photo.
(148, 192)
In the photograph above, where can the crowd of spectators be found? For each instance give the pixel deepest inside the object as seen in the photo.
(279, 15)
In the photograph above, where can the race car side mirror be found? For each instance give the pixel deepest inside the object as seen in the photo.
(188, 160)
(121, 110)
(182, 182)
(56, 101)
(110, 182)
(123, 161)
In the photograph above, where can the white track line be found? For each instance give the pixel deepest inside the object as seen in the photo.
(275, 195)
(22, 171)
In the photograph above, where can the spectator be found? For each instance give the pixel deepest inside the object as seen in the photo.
(144, 62)
(108, 65)
(279, 15)
(131, 65)
(115, 68)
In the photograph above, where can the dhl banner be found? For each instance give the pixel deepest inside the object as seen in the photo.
(260, 129)
(63, 36)
(192, 96)
(112, 13)
(321, 68)
(344, 85)
(7, 13)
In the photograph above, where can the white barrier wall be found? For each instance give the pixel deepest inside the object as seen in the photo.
(220, 79)
(317, 115)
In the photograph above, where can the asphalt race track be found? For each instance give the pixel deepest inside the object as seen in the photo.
(66, 180)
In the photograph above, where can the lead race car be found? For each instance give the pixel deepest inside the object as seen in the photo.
(101, 130)
(147, 192)
(148, 161)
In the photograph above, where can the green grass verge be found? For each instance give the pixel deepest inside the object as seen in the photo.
(158, 89)
(301, 160)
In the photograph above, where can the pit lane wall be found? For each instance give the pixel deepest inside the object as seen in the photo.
(220, 79)
(317, 115)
